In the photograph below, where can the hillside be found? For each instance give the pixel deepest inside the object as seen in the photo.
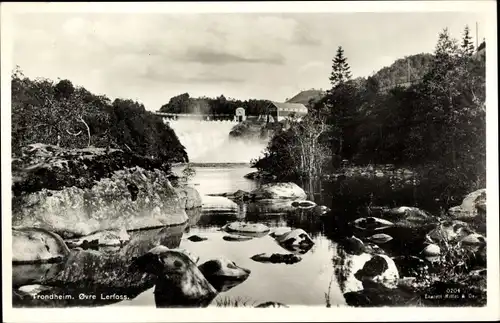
(397, 72)
(306, 96)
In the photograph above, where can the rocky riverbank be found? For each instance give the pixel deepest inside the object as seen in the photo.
(440, 261)
(404, 175)
(80, 216)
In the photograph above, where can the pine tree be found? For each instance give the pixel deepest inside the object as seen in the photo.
(340, 69)
(467, 44)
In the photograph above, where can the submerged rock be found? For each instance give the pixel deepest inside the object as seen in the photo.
(234, 237)
(270, 304)
(196, 238)
(108, 205)
(35, 245)
(224, 274)
(277, 258)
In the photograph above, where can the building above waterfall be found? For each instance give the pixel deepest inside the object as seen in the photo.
(279, 111)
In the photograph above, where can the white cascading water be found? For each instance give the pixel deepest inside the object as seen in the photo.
(209, 142)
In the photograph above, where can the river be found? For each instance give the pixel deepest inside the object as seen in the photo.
(303, 283)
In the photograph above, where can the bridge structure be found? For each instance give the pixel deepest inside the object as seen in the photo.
(200, 117)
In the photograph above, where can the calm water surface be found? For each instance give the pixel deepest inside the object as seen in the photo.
(303, 283)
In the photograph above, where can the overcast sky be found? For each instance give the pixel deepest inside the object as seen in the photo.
(152, 57)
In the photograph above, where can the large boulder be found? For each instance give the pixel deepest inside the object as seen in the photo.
(296, 240)
(190, 198)
(353, 270)
(224, 274)
(472, 205)
(285, 190)
(130, 199)
(178, 281)
(34, 245)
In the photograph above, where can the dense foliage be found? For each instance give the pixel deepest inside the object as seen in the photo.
(437, 123)
(183, 103)
(411, 68)
(72, 117)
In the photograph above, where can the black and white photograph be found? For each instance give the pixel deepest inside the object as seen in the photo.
(225, 159)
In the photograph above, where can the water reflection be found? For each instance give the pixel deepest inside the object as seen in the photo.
(100, 275)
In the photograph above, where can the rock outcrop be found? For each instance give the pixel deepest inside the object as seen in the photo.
(285, 190)
(190, 198)
(131, 199)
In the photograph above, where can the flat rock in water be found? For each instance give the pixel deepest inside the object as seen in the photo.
(234, 237)
(245, 227)
(380, 238)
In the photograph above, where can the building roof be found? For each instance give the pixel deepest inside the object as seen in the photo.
(289, 108)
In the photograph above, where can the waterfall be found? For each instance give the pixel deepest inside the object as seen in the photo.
(209, 142)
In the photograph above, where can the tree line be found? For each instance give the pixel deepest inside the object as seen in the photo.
(437, 123)
(58, 113)
(183, 103)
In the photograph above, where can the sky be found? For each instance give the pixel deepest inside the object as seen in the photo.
(153, 57)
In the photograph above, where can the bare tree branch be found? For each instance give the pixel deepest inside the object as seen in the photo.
(88, 129)
(73, 134)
